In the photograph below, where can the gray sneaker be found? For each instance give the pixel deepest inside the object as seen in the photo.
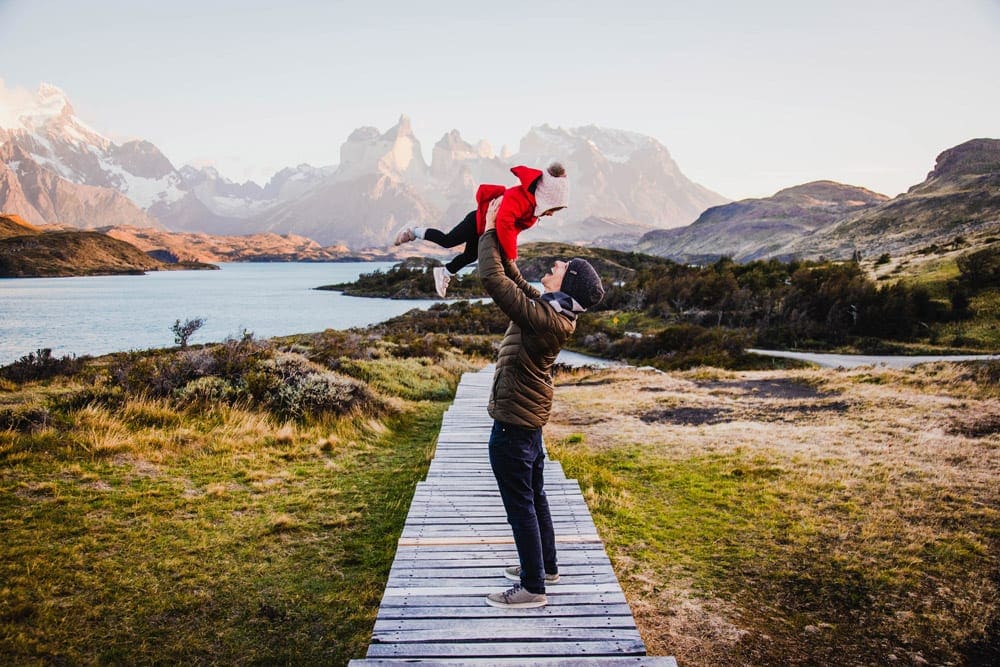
(517, 598)
(514, 574)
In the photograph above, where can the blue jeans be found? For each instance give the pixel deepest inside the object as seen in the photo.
(518, 460)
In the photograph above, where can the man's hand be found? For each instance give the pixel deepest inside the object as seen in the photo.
(491, 213)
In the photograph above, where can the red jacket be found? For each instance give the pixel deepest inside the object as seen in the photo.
(517, 210)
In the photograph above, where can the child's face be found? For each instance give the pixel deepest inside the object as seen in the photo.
(552, 280)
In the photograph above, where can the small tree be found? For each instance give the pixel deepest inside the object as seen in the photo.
(184, 331)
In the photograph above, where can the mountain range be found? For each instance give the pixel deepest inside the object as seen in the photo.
(627, 193)
(55, 169)
(961, 195)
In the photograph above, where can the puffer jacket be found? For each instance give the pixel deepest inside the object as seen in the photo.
(517, 210)
(522, 383)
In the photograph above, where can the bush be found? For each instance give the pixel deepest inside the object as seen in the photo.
(292, 387)
(24, 418)
(41, 365)
(205, 392)
(981, 269)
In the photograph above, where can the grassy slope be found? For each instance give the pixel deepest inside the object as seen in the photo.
(934, 270)
(149, 533)
(796, 517)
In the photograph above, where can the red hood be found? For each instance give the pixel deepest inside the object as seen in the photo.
(526, 175)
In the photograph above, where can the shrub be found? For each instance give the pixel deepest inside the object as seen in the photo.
(24, 418)
(153, 374)
(981, 269)
(316, 395)
(41, 365)
(205, 392)
(182, 332)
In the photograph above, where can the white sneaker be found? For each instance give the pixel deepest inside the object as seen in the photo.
(441, 280)
(405, 236)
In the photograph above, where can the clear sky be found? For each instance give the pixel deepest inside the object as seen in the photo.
(748, 96)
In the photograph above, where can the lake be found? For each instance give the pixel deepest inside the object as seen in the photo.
(101, 314)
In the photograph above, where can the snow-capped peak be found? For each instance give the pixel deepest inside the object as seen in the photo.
(614, 145)
(47, 114)
(21, 109)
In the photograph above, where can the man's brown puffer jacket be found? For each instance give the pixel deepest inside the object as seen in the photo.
(522, 384)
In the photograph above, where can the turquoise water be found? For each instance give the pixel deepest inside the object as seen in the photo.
(102, 314)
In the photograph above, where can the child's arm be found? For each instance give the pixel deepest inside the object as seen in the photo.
(509, 267)
(511, 210)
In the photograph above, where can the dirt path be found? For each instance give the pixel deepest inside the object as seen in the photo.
(855, 360)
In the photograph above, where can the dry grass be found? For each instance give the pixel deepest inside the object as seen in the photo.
(143, 530)
(795, 517)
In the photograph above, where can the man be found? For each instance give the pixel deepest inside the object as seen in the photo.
(521, 400)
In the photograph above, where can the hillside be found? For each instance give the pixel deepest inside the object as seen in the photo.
(57, 254)
(13, 225)
(174, 247)
(961, 196)
(756, 228)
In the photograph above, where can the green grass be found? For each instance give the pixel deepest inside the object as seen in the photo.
(814, 564)
(153, 534)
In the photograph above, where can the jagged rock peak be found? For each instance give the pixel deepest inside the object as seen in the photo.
(366, 133)
(452, 140)
(403, 128)
(974, 157)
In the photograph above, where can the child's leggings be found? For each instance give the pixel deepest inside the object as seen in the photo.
(463, 232)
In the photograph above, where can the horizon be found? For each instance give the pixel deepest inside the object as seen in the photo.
(747, 100)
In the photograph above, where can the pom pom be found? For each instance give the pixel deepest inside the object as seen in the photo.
(556, 170)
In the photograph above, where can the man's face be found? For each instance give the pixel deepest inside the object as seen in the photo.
(552, 280)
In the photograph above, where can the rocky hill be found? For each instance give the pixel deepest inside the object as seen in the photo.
(174, 247)
(959, 197)
(75, 253)
(755, 228)
(14, 225)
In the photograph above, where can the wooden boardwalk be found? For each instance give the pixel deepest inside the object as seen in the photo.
(452, 552)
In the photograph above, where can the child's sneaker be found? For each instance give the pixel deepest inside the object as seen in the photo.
(405, 236)
(441, 280)
(514, 574)
(517, 598)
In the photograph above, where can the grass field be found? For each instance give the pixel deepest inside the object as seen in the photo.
(761, 517)
(149, 533)
(796, 517)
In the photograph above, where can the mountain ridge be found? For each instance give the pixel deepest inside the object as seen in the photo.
(381, 182)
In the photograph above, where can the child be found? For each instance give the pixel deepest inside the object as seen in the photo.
(539, 194)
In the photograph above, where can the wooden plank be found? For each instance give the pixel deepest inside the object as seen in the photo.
(511, 649)
(576, 661)
(558, 597)
(491, 623)
(520, 632)
(477, 568)
(442, 541)
(488, 613)
(556, 590)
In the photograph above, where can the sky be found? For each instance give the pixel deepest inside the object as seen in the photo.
(748, 97)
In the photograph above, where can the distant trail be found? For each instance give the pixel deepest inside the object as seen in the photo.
(855, 360)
